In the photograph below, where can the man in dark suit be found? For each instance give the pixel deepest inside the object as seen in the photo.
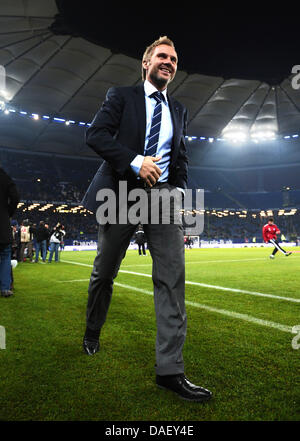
(9, 199)
(140, 133)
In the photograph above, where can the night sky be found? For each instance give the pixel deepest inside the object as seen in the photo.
(245, 41)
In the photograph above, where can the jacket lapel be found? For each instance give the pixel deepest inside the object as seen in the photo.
(141, 115)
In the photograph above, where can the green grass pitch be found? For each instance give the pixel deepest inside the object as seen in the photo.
(241, 309)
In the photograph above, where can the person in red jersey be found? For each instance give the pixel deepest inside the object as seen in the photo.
(269, 232)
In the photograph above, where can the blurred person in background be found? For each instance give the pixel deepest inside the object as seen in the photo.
(9, 198)
(140, 239)
(270, 232)
(40, 237)
(62, 243)
(55, 241)
(48, 239)
(32, 231)
(15, 247)
(26, 240)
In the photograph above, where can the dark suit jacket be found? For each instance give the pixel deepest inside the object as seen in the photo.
(9, 198)
(117, 134)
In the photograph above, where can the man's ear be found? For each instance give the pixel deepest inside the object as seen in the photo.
(145, 63)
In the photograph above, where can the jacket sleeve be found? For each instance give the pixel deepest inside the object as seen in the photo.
(101, 135)
(277, 230)
(264, 234)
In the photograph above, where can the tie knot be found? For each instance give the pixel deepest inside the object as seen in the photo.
(158, 96)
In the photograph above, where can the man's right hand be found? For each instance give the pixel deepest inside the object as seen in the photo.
(149, 171)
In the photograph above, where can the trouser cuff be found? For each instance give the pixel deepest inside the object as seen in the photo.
(170, 369)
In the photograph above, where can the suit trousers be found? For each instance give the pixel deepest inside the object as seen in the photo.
(166, 246)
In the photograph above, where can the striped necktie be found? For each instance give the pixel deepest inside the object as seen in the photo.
(155, 125)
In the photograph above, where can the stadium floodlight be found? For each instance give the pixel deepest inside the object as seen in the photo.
(263, 135)
(235, 133)
(235, 136)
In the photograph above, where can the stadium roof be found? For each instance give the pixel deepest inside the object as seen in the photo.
(56, 68)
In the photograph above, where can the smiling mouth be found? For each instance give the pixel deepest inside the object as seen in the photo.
(165, 70)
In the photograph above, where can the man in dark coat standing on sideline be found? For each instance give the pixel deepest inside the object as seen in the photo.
(41, 234)
(140, 133)
(9, 198)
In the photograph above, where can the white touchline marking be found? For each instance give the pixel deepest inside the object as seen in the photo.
(205, 285)
(245, 317)
(77, 263)
(223, 288)
(199, 262)
(202, 261)
(2, 338)
(71, 281)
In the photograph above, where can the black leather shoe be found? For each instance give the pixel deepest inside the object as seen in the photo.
(90, 347)
(183, 387)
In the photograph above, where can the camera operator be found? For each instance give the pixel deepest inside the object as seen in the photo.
(55, 241)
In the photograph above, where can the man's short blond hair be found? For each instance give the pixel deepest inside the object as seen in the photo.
(150, 49)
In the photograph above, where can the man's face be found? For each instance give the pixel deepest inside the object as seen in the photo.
(162, 66)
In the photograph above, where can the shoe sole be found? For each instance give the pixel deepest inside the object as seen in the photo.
(199, 400)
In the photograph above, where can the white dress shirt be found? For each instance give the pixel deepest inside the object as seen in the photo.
(165, 134)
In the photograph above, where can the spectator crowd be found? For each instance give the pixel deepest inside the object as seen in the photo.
(34, 241)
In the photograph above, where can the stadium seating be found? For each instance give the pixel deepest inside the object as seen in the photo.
(62, 179)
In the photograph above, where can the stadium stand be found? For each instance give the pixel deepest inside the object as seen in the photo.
(62, 180)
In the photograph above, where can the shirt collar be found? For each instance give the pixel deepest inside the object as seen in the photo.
(149, 89)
